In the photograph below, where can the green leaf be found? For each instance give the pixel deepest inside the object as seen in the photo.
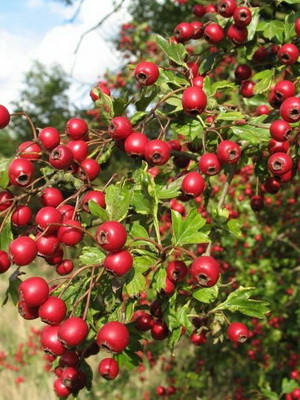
(169, 191)
(6, 235)
(221, 85)
(206, 295)
(91, 255)
(105, 106)
(208, 63)
(273, 29)
(128, 360)
(266, 80)
(253, 24)
(129, 309)
(175, 51)
(240, 301)
(12, 290)
(234, 226)
(142, 202)
(4, 179)
(84, 366)
(191, 128)
(137, 230)
(143, 263)
(117, 200)
(147, 95)
(187, 230)
(174, 337)
(137, 117)
(289, 27)
(288, 385)
(166, 77)
(269, 394)
(176, 102)
(136, 284)
(98, 211)
(159, 279)
(119, 106)
(229, 116)
(252, 134)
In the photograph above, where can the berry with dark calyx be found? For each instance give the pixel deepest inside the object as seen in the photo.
(280, 130)
(93, 195)
(275, 146)
(70, 376)
(111, 235)
(70, 233)
(213, 33)
(76, 128)
(228, 152)
(209, 164)
(176, 271)
(283, 90)
(198, 338)
(119, 262)
(21, 216)
(280, 163)
(242, 72)
(120, 128)
(47, 216)
(288, 54)
(159, 330)
(157, 152)
(290, 109)
(50, 341)
(198, 29)
(67, 211)
(60, 389)
(146, 73)
(22, 250)
(193, 184)
(226, 8)
(73, 331)
(61, 157)
(49, 138)
(242, 16)
(5, 200)
(144, 322)
(135, 144)
(51, 197)
(55, 258)
(27, 312)
(113, 336)
(205, 271)
(247, 89)
(4, 117)
(20, 172)
(184, 31)
(79, 149)
(237, 34)
(53, 311)
(65, 267)
(4, 261)
(29, 150)
(108, 368)
(237, 332)
(89, 168)
(47, 245)
(69, 359)
(257, 203)
(194, 100)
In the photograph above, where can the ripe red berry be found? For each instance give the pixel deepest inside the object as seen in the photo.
(283, 90)
(257, 203)
(237, 34)
(290, 109)
(276, 147)
(4, 261)
(242, 16)
(71, 233)
(111, 235)
(89, 168)
(205, 270)
(23, 250)
(5, 200)
(288, 54)
(34, 291)
(61, 157)
(76, 128)
(49, 138)
(93, 195)
(237, 332)
(108, 368)
(213, 33)
(226, 8)
(209, 164)
(198, 29)
(69, 359)
(194, 100)
(120, 128)
(146, 73)
(70, 376)
(144, 322)
(135, 144)
(193, 184)
(67, 211)
(176, 271)
(242, 72)
(280, 130)
(20, 172)
(247, 89)
(198, 81)
(114, 336)
(169, 287)
(263, 109)
(53, 311)
(65, 267)
(199, 10)
(280, 163)
(73, 331)
(272, 185)
(79, 149)
(47, 245)
(159, 330)
(157, 152)
(27, 312)
(297, 26)
(198, 338)
(47, 216)
(183, 32)
(160, 391)
(56, 258)
(29, 150)
(21, 216)
(228, 152)
(50, 341)
(60, 389)
(119, 262)
(4, 117)
(51, 197)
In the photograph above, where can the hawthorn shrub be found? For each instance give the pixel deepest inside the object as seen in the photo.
(183, 258)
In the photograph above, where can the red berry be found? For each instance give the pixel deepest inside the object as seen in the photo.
(47, 245)
(135, 144)
(144, 322)
(198, 338)
(20, 172)
(67, 211)
(288, 54)
(280, 163)
(49, 137)
(4, 117)
(4, 261)
(257, 203)
(237, 34)
(242, 72)
(193, 184)
(213, 33)
(70, 376)
(61, 157)
(34, 291)
(247, 89)
(237, 332)
(209, 164)
(199, 10)
(53, 311)
(93, 195)
(120, 128)
(290, 109)
(111, 235)
(157, 152)
(21, 216)
(71, 233)
(263, 109)
(198, 29)
(69, 359)
(176, 271)
(65, 267)
(119, 263)
(108, 368)
(60, 389)
(29, 150)
(5, 200)
(51, 197)
(90, 169)
(114, 336)
(160, 391)
(47, 216)
(242, 16)
(159, 330)
(50, 341)
(280, 130)
(146, 73)
(277, 147)
(205, 270)
(297, 26)
(23, 250)
(56, 258)
(73, 331)
(194, 100)
(228, 152)
(76, 128)
(272, 185)
(226, 8)
(184, 31)
(27, 312)
(79, 149)
(198, 81)
(284, 90)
